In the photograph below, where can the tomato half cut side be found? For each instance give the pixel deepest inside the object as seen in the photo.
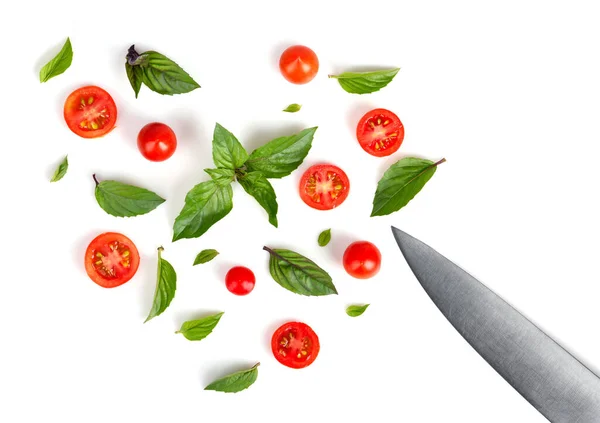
(380, 132)
(295, 345)
(111, 259)
(90, 112)
(324, 186)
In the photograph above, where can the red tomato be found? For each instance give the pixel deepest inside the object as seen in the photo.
(111, 259)
(295, 345)
(362, 260)
(299, 64)
(380, 132)
(157, 142)
(90, 112)
(240, 280)
(324, 186)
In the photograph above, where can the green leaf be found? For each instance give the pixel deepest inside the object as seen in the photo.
(365, 82)
(166, 283)
(293, 108)
(356, 310)
(324, 237)
(205, 256)
(221, 176)
(255, 184)
(228, 153)
(59, 63)
(196, 330)
(61, 170)
(281, 156)
(122, 200)
(400, 183)
(299, 274)
(205, 205)
(235, 382)
(135, 76)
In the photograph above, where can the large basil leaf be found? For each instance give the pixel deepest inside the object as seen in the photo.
(59, 63)
(221, 176)
(166, 284)
(228, 153)
(255, 184)
(365, 82)
(235, 382)
(124, 200)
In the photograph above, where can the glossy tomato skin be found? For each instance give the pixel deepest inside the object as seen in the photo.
(90, 112)
(324, 186)
(157, 142)
(111, 259)
(295, 345)
(240, 280)
(299, 64)
(380, 132)
(362, 260)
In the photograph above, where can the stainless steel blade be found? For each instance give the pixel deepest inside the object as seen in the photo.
(545, 374)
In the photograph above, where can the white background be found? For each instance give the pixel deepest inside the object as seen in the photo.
(508, 92)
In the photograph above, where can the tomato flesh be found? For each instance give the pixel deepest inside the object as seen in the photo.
(240, 280)
(299, 64)
(295, 345)
(90, 112)
(157, 142)
(362, 260)
(111, 259)
(380, 132)
(324, 187)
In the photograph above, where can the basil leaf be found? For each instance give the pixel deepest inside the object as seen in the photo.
(228, 153)
(298, 274)
(324, 237)
(400, 183)
(59, 63)
(293, 108)
(235, 382)
(255, 184)
(135, 76)
(205, 256)
(166, 283)
(365, 82)
(356, 310)
(221, 176)
(205, 205)
(159, 73)
(122, 200)
(281, 156)
(196, 330)
(61, 170)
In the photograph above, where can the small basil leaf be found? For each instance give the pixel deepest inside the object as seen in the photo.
(135, 76)
(221, 176)
(59, 63)
(61, 170)
(293, 108)
(166, 284)
(235, 382)
(365, 82)
(197, 330)
(259, 187)
(324, 237)
(356, 310)
(205, 256)
(122, 200)
(298, 274)
(281, 156)
(205, 205)
(400, 183)
(228, 153)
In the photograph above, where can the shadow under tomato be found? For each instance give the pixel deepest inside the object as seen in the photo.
(338, 244)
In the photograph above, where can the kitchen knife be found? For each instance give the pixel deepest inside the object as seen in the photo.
(552, 380)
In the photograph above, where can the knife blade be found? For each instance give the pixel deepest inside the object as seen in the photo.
(559, 386)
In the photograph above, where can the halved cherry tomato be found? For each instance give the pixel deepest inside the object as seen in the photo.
(295, 345)
(299, 64)
(111, 259)
(380, 132)
(324, 186)
(240, 280)
(90, 112)
(157, 142)
(362, 259)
